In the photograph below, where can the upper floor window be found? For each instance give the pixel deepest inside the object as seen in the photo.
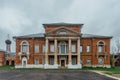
(100, 46)
(81, 48)
(51, 48)
(63, 48)
(62, 32)
(25, 46)
(36, 48)
(73, 48)
(43, 48)
(88, 48)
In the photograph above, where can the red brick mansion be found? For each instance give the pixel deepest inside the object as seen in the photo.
(62, 46)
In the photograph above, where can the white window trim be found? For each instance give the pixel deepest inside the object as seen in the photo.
(24, 59)
(36, 46)
(81, 48)
(88, 48)
(43, 48)
(26, 43)
(73, 46)
(102, 61)
(52, 48)
(36, 61)
(103, 49)
(59, 47)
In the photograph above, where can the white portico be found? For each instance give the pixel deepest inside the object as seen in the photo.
(66, 52)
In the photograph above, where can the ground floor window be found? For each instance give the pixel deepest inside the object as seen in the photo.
(88, 62)
(100, 61)
(36, 61)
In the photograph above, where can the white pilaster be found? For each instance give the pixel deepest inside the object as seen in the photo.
(78, 51)
(46, 52)
(69, 55)
(55, 51)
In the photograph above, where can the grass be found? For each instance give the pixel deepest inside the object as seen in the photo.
(112, 70)
(7, 67)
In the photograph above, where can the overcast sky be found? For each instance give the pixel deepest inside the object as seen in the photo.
(19, 17)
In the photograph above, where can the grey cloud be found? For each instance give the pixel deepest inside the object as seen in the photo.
(99, 16)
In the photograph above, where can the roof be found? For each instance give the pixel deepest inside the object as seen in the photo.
(1, 50)
(62, 24)
(94, 36)
(38, 35)
(41, 35)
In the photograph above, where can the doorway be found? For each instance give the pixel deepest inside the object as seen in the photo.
(7, 62)
(62, 63)
(24, 61)
(12, 63)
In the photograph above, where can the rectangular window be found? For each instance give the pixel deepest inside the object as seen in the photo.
(51, 61)
(36, 61)
(51, 48)
(36, 48)
(43, 48)
(81, 48)
(43, 60)
(88, 48)
(73, 61)
(100, 48)
(88, 62)
(73, 48)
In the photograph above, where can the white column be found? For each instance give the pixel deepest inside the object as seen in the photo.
(55, 51)
(69, 52)
(78, 51)
(46, 52)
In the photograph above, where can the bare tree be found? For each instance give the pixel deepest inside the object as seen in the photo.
(117, 45)
(115, 49)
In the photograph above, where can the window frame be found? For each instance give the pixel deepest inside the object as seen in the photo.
(52, 48)
(100, 46)
(88, 61)
(51, 61)
(88, 48)
(73, 48)
(36, 61)
(81, 48)
(43, 48)
(24, 44)
(36, 48)
(62, 33)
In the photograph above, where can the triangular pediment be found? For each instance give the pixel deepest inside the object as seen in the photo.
(62, 29)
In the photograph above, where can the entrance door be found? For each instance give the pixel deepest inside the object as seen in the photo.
(62, 63)
(24, 62)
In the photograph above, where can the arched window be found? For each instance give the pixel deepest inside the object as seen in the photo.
(62, 48)
(62, 32)
(100, 61)
(24, 46)
(100, 46)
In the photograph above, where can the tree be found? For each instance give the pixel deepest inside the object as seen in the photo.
(115, 50)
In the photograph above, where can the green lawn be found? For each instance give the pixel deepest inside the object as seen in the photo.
(6, 67)
(112, 70)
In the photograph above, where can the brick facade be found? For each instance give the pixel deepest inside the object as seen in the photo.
(68, 55)
(2, 58)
